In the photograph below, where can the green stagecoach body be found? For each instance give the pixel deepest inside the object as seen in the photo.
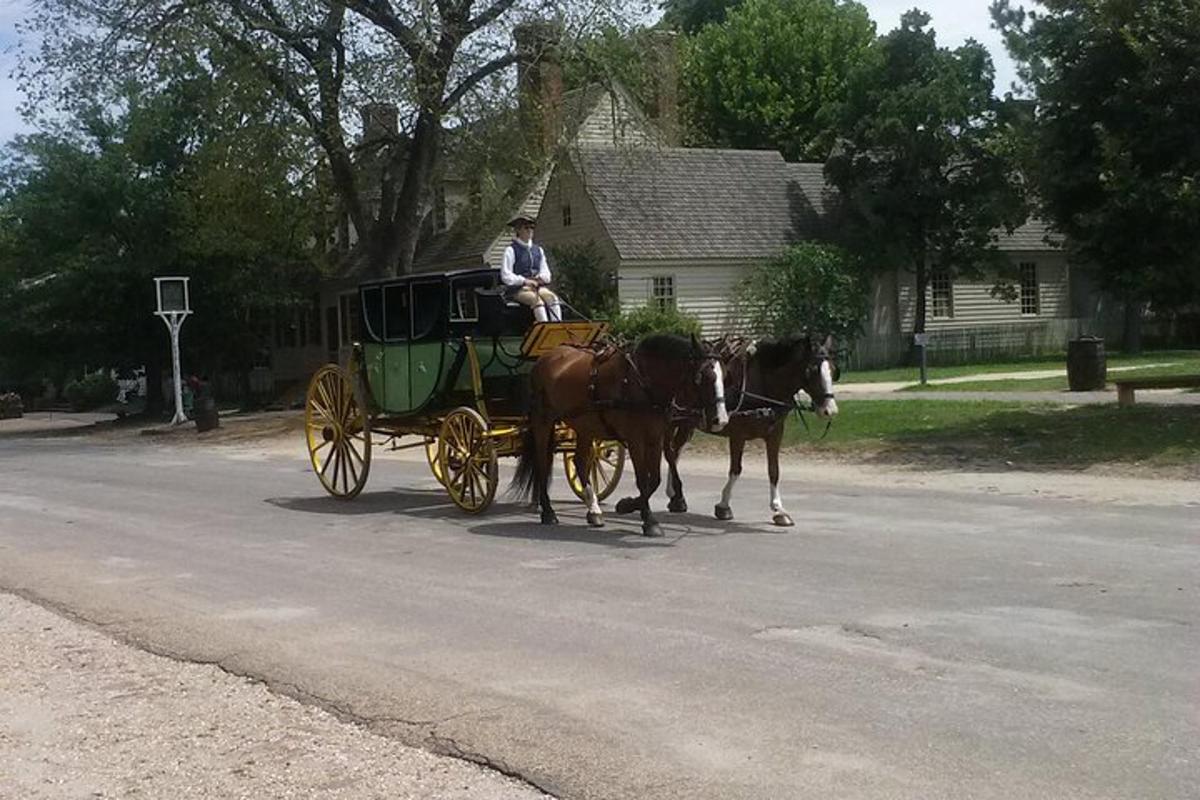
(415, 339)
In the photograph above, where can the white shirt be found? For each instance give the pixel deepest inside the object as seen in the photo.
(510, 278)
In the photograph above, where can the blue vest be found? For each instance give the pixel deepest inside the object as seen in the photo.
(527, 261)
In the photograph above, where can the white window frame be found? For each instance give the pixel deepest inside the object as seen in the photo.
(1035, 296)
(662, 292)
(937, 278)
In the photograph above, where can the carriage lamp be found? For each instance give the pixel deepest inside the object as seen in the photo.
(174, 305)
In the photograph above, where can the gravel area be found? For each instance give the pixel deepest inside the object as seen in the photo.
(84, 716)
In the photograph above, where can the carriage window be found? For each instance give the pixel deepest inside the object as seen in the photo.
(395, 311)
(373, 313)
(427, 299)
(465, 306)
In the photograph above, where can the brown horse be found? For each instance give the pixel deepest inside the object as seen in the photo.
(614, 394)
(761, 381)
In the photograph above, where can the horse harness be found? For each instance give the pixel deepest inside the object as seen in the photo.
(736, 348)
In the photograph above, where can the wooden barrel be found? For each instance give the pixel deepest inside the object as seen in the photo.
(1087, 367)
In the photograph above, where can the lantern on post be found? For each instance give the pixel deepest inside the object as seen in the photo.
(174, 305)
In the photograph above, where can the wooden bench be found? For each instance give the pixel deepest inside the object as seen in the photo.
(1126, 387)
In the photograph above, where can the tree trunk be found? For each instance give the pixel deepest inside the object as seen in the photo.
(1132, 333)
(398, 229)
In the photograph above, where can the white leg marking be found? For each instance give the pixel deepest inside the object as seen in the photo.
(670, 483)
(776, 498)
(829, 407)
(722, 414)
(592, 503)
(727, 492)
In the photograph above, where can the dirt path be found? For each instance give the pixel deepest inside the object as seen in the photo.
(84, 716)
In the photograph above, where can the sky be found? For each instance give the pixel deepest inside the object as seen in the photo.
(954, 20)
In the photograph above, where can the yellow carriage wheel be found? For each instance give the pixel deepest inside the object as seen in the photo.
(608, 462)
(467, 460)
(431, 455)
(338, 432)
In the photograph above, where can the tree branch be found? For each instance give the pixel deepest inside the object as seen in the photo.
(471, 81)
(489, 15)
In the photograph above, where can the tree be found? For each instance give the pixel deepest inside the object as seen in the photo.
(187, 179)
(1114, 155)
(322, 58)
(924, 161)
(690, 16)
(815, 288)
(769, 74)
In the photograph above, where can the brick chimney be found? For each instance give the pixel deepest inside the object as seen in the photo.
(664, 62)
(539, 85)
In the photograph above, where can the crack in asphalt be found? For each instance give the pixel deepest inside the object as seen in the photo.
(434, 742)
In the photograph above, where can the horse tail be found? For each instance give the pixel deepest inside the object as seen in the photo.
(525, 477)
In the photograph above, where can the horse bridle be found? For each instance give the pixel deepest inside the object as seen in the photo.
(679, 413)
(784, 406)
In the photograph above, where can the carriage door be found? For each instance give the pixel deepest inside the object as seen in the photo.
(428, 336)
(396, 321)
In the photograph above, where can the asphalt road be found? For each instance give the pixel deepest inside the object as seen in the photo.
(899, 642)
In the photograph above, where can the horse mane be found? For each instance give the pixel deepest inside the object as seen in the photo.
(667, 346)
(775, 352)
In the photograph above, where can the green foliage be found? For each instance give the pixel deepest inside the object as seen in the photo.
(1114, 154)
(813, 288)
(924, 165)
(768, 76)
(11, 406)
(633, 325)
(91, 391)
(190, 179)
(583, 281)
(690, 16)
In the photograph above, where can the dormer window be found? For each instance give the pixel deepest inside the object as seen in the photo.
(566, 215)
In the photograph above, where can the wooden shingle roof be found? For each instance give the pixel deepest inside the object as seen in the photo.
(694, 203)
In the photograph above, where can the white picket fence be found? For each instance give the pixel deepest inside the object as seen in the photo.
(975, 344)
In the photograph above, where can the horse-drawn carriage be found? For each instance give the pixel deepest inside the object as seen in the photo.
(445, 358)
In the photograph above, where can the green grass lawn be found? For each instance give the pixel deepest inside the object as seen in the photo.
(1184, 361)
(991, 433)
(1187, 363)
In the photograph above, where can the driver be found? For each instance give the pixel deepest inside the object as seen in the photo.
(526, 273)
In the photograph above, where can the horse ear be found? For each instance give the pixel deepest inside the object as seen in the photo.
(696, 347)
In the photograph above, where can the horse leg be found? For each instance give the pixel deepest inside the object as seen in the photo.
(774, 440)
(649, 477)
(583, 468)
(737, 446)
(678, 438)
(627, 505)
(543, 433)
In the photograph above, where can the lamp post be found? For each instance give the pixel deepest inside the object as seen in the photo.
(174, 305)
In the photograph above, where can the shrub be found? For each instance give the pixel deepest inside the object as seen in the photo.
(633, 325)
(583, 280)
(91, 391)
(810, 287)
(11, 406)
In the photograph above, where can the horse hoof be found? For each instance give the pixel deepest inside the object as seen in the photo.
(723, 513)
(595, 520)
(677, 505)
(627, 505)
(652, 530)
(549, 518)
(782, 519)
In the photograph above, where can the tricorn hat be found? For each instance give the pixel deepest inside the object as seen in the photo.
(520, 218)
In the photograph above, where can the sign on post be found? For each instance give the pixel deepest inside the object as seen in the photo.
(174, 305)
